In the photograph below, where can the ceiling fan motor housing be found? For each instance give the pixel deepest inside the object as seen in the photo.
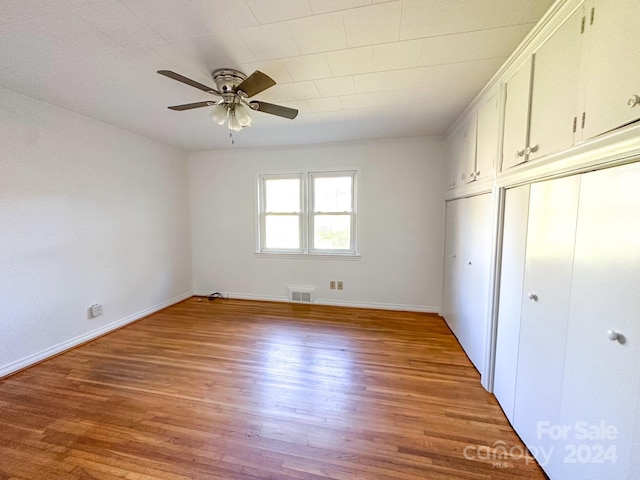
(227, 79)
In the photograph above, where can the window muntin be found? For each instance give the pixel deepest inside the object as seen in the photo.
(310, 212)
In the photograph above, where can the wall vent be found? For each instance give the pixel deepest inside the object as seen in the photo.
(301, 294)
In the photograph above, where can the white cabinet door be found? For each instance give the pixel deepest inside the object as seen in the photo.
(487, 137)
(455, 148)
(553, 208)
(468, 161)
(516, 116)
(554, 99)
(613, 82)
(514, 242)
(602, 376)
(462, 155)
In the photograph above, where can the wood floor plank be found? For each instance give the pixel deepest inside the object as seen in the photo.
(248, 390)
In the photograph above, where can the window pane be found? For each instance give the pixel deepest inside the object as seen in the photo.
(282, 231)
(332, 232)
(282, 195)
(332, 194)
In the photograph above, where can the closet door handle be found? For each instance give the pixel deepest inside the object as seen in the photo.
(530, 150)
(532, 296)
(616, 336)
(633, 101)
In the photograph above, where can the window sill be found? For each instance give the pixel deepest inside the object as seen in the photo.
(310, 256)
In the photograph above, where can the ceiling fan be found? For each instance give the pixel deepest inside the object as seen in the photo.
(234, 88)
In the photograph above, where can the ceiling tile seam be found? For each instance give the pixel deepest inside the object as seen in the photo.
(399, 36)
(167, 40)
(252, 14)
(313, 13)
(104, 32)
(300, 54)
(64, 41)
(464, 9)
(381, 43)
(524, 10)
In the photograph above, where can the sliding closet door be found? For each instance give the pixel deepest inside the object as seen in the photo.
(602, 371)
(551, 229)
(514, 242)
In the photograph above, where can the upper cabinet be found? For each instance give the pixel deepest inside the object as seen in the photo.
(555, 85)
(473, 149)
(613, 79)
(542, 97)
(516, 116)
(576, 79)
(462, 155)
(581, 82)
(488, 135)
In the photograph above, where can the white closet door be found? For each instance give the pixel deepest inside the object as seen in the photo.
(614, 66)
(516, 214)
(554, 99)
(516, 116)
(602, 376)
(553, 209)
(475, 267)
(452, 280)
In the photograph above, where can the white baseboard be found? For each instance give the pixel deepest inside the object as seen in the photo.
(380, 306)
(69, 344)
(337, 303)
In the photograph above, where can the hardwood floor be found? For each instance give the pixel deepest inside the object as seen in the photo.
(245, 390)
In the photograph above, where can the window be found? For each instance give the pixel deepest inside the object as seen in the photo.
(310, 212)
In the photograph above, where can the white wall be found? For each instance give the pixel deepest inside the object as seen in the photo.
(88, 214)
(400, 214)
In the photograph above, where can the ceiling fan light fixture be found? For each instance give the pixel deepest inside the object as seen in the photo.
(234, 122)
(219, 113)
(242, 114)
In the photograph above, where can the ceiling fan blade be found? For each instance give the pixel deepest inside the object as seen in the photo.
(187, 81)
(278, 110)
(189, 106)
(255, 83)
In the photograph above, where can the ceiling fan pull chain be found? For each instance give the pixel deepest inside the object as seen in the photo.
(233, 142)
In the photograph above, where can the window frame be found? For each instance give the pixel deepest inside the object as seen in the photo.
(312, 213)
(263, 178)
(306, 214)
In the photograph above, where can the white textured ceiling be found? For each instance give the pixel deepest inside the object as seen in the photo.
(356, 69)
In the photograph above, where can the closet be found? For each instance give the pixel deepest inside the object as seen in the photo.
(567, 346)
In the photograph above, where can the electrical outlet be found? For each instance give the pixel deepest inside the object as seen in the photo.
(96, 310)
(332, 284)
(340, 285)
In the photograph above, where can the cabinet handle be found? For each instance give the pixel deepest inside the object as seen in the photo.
(532, 296)
(469, 262)
(519, 153)
(530, 150)
(633, 101)
(477, 173)
(453, 255)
